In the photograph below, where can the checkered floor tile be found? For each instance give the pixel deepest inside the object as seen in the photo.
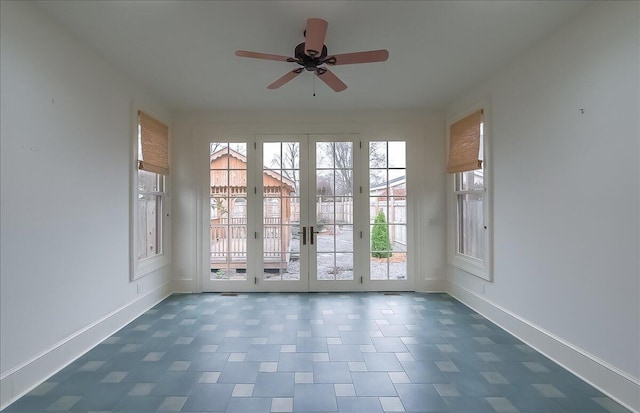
(357, 352)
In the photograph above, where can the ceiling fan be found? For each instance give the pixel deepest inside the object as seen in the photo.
(312, 55)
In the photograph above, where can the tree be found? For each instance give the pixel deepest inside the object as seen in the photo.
(341, 156)
(289, 161)
(377, 163)
(380, 242)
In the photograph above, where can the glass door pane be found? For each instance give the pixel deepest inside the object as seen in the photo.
(387, 211)
(281, 249)
(332, 244)
(228, 211)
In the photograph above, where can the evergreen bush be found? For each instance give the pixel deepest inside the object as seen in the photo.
(380, 242)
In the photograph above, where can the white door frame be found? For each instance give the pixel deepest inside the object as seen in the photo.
(307, 281)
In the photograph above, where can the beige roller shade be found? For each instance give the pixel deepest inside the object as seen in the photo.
(154, 141)
(464, 144)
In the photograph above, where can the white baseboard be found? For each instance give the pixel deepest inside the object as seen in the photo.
(615, 383)
(23, 378)
(433, 285)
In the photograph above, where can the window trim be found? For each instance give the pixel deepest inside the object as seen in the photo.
(142, 267)
(482, 268)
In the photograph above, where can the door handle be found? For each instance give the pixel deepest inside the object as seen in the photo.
(311, 232)
(304, 235)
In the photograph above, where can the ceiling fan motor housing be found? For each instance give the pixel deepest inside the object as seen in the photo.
(308, 62)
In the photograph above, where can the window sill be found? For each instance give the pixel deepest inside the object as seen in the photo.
(471, 265)
(149, 265)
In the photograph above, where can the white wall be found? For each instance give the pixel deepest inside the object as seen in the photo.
(423, 131)
(566, 196)
(66, 130)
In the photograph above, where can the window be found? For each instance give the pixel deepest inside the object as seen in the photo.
(149, 225)
(469, 192)
(469, 223)
(150, 195)
(388, 210)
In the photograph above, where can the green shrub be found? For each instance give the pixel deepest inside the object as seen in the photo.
(380, 242)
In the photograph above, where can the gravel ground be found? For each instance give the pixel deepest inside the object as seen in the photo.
(343, 268)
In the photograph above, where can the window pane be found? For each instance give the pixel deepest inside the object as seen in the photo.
(325, 155)
(272, 211)
(219, 181)
(378, 181)
(377, 154)
(324, 213)
(343, 210)
(344, 267)
(291, 155)
(325, 181)
(378, 206)
(239, 180)
(239, 149)
(397, 155)
(344, 238)
(398, 266)
(149, 181)
(470, 180)
(381, 241)
(272, 155)
(219, 155)
(227, 271)
(397, 211)
(326, 266)
(398, 237)
(379, 268)
(471, 239)
(239, 210)
(290, 179)
(478, 179)
(294, 210)
(148, 234)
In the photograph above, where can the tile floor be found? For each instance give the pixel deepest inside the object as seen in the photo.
(359, 352)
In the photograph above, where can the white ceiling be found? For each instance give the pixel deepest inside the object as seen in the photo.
(183, 51)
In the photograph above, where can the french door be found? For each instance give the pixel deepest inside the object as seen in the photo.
(307, 212)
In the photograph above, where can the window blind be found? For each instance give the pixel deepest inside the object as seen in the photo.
(154, 142)
(464, 144)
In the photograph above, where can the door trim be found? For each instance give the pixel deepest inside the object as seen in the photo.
(361, 223)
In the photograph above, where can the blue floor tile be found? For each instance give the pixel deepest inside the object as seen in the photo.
(331, 372)
(359, 405)
(420, 398)
(274, 385)
(314, 398)
(354, 352)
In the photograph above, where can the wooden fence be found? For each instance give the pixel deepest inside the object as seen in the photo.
(229, 240)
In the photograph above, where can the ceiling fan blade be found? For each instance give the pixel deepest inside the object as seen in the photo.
(358, 57)
(328, 77)
(266, 56)
(284, 79)
(314, 36)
